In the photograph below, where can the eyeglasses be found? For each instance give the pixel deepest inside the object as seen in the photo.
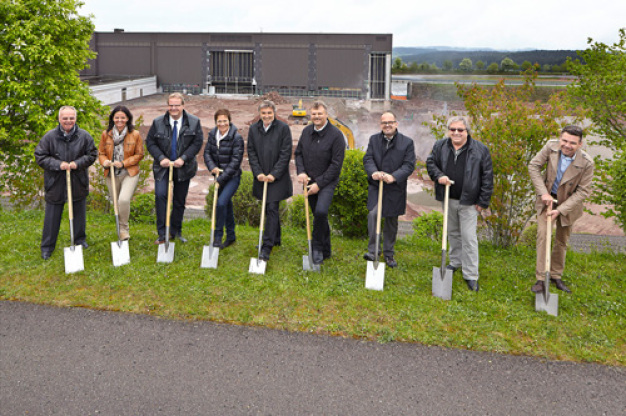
(387, 123)
(455, 130)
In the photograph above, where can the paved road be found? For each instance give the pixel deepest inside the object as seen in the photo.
(84, 362)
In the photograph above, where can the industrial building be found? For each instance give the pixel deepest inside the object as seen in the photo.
(356, 66)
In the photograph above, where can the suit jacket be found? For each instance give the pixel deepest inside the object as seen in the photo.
(575, 185)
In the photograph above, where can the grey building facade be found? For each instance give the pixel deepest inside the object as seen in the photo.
(296, 64)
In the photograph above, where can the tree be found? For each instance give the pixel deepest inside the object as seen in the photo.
(508, 64)
(493, 68)
(397, 64)
(526, 65)
(480, 65)
(514, 129)
(466, 65)
(599, 86)
(43, 44)
(447, 65)
(413, 68)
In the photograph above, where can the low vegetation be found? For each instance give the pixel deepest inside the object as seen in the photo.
(591, 325)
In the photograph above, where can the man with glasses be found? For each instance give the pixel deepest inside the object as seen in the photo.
(566, 179)
(390, 156)
(460, 159)
(175, 137)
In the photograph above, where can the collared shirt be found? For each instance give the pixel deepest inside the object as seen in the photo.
(389, 139)
(564, 162)
(323, 127)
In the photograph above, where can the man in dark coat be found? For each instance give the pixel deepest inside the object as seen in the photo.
(175, 137)
(390, 156)
(64, 148)
(467, 163)
(319, 156)
(269, 152)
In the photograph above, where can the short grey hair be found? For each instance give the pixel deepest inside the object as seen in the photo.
(319, 103)
(68, 107)
(267, 104)
(456, 119)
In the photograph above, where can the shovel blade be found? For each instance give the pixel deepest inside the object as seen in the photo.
(551, 306)
(120, 253)
(375, 276)
(257, 266)
(74, 259)
(308, 265)
(166, 253)
(442, 288)
(210, 255)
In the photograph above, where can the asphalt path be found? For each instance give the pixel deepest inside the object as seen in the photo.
(73, 361)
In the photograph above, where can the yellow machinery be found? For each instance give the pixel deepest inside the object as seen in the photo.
(345, 130)
(298, 114)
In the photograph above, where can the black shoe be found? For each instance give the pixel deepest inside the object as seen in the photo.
(46, 255)
(537, 287)
(472, 285)
(561, 286)
(265, 255)
(391, 261)
(318, 257)
(327, 256)
(369, 257)
(452, 268)
(180, 238)
(84, 244)
(228, 243)
(218, 244)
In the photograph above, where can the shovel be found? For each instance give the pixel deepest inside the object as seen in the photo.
(375, 276)
(257, 265)
(210, 254)
(307, 261)
(119, 249)
(442, 277)
(166, 250)
(547, 301)
(74, 254)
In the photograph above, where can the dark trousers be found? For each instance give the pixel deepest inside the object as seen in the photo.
(179, 196)
(389, 233)
(52, 224)
(320, 204)
(224, 210)
(271, 232)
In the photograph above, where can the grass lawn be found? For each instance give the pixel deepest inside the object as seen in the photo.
(591, 325)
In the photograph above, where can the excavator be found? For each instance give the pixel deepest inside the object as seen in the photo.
(299, 114)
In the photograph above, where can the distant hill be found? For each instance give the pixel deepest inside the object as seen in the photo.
(438, 55)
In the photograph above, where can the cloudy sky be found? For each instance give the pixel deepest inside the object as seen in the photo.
(495, 24)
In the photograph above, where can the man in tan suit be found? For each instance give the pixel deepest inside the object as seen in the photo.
(567, 179)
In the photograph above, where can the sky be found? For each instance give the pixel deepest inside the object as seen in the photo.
(493, 24)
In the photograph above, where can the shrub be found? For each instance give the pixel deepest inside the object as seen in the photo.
(142, 208)
(294, 214)
(429, 225)
(348, 212)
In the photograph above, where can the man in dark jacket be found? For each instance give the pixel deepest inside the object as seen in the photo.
(319, 156)
(269, 152)
(467, 163)
(64, 148)
(390, 156)
(175, 137)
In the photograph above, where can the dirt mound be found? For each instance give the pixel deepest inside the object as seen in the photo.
(275, 97)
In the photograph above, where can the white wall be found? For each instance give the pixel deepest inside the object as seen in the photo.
(114, 91)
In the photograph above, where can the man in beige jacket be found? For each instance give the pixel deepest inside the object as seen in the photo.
(566, 179)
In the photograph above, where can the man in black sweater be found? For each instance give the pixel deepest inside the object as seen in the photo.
(319, 156)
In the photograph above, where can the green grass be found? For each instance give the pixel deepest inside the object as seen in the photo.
(591, 325)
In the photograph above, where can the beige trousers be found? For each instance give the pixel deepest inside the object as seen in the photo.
(125, 186)
(559, 247)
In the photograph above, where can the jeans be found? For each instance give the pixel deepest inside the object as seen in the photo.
(224, 214)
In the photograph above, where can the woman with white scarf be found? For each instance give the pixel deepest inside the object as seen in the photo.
(122, 146)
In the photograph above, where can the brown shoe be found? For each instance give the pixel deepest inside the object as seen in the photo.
(561, 286)
(537, 287)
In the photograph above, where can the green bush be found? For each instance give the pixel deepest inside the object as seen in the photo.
(246, 207)
(142, 208)
(348, 212)
(294, 214)
(429, 225)
(529, 236)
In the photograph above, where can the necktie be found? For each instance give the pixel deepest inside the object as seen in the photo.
(174, 140)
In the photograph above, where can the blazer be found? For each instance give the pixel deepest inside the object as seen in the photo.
(133, 151)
